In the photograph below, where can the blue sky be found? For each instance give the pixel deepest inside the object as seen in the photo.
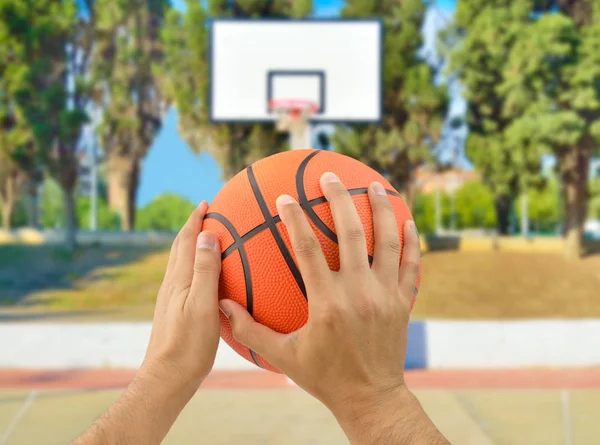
(171, 167)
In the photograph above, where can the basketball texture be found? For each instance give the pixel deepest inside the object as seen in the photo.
(259, 268)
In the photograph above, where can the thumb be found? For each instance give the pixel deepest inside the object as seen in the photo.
(258, 337)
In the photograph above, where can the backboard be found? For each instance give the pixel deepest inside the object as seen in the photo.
(336, 64)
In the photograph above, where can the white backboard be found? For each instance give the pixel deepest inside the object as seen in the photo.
(335, 63)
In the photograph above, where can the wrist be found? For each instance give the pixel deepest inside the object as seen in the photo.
(366, 403)
(386, 415)
(164, 382)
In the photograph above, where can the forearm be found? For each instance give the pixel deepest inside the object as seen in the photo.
(142, 415)
(395, 419)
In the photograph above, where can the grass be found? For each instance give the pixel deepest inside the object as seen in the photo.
(455, 285)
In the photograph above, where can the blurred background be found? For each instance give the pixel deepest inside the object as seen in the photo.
(490, 130)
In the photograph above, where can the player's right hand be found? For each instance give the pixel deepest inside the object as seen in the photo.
(350, 354)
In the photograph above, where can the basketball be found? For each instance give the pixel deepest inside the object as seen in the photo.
(259, 270)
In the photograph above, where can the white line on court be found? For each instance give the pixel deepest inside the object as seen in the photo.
(566, 416)
(26, 404)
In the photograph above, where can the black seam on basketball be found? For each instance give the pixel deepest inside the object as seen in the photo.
(308, 205)
(353, 192)
(239, 245)
(287, 256)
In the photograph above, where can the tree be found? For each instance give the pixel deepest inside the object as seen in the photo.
(17, 150)
(542, 206)
(413, 108)
(166, 213)
(475, 206)
(51, 92)
(233, 146)
(533, 82)
(484, 33)
(129, 89)
(552, 89)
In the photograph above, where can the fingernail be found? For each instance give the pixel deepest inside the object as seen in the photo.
(285, 200)
(206, 240)
(201, 203)
(410, 225)
(329, 177)
(378, 189)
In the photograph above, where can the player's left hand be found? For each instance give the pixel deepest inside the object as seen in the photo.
(185, 330)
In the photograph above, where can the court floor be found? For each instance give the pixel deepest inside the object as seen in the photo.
(273, 412)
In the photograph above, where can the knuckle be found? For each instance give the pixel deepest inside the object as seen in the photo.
(307, 246)
(355, 232)
(414, 267)
(206, 264)
(393, 246)
(331, 315)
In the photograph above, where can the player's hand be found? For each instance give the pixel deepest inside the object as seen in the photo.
(185, 330)
(350, 354)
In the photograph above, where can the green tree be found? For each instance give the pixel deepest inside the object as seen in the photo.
(52, 91)
(542, 207)
(413, 107)
(166, 213)
(18, 154)
(126, 67)
(475, 206)
(552, 90)
(485, 32)
(532, 79)
(185, 36)
(107, 219)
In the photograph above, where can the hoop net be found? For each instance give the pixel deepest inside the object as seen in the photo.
(294, 108)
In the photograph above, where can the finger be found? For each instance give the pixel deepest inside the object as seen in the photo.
(306, 246)
(172, 257)
(259, 338)
(186, 250)
(386, 256)
(348, 226)
(207, 267)
(410, 264)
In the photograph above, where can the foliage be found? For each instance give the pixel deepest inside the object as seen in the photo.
(413, 107)
(533, 85)
(424, 212)
(543, 206)
(475, 206)
(126, 72)
(185, 37)
(473, 209)
(52, 211)
(166, 213)
(48, 43)
(107, 219)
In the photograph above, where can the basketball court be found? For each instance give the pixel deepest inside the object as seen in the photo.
(256, 407)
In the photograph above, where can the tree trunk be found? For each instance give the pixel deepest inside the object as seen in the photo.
(34, 201)
(70, 219)
(123, 182)
(7, 211)
(575, 171)
(503, 204)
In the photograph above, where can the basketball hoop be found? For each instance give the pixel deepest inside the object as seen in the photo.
(293, 116)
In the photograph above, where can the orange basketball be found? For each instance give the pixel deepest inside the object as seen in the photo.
(259, 268)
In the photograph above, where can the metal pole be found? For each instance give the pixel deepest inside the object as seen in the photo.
(438, 206)
(524, 214)
(94, 187)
